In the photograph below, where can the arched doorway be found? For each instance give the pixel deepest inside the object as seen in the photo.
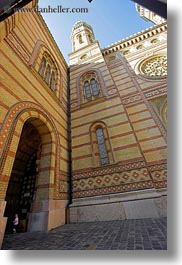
(49, 199)
(23, 180)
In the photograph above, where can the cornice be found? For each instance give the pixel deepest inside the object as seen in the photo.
(134, 39)
(74, 53)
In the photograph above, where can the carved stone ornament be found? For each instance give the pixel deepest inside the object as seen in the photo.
(154, 67)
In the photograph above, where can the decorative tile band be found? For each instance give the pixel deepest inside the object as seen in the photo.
(157, 167)
(111, 180)
(159, 175)
(112, 190)
(109, 170)
(160, 184)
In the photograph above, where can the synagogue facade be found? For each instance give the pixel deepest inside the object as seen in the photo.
(85, 142)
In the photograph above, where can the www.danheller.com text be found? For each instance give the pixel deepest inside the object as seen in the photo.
(58, 9)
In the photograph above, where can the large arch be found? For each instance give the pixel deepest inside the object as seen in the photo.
(44, 207)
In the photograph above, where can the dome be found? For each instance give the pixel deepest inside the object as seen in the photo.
(79, 24)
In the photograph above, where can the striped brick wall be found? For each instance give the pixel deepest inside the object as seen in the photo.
(25, 97)
(137, 134)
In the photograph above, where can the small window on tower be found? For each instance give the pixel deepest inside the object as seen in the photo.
(80, 39)
(74, 46)
(83, 57)
(90, 38)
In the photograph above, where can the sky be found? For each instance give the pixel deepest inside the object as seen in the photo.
(111, 20)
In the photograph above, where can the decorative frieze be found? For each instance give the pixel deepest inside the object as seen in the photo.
(109, 180)
(159, 175)
(132, 99)
(109, 170)
(115, 189)
(156, 92)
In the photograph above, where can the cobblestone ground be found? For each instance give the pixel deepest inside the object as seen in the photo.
(140, 234)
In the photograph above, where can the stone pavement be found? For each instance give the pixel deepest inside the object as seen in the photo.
(139, 234)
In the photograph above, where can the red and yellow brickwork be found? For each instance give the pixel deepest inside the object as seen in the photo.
(136, 132)
(120, 90)
(26, 98)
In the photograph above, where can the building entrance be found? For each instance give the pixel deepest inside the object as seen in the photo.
(22, 185)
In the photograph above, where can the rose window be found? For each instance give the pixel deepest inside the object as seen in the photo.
(155, 67)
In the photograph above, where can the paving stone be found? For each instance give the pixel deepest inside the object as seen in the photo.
(141, 234)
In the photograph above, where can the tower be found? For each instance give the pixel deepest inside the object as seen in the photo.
(85, 48)
(82, 35)
(149, 15)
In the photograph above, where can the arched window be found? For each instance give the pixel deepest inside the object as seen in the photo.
(48, 74)
(102, 147)
(80, 39)
(88, 94)
(48, 71)
(42, 66)
(102, 152)
(90, 38)
(53, 81)
(94, 86)
(90, 87)
(74, 45)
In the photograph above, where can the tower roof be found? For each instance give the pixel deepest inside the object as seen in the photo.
(79, 24)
